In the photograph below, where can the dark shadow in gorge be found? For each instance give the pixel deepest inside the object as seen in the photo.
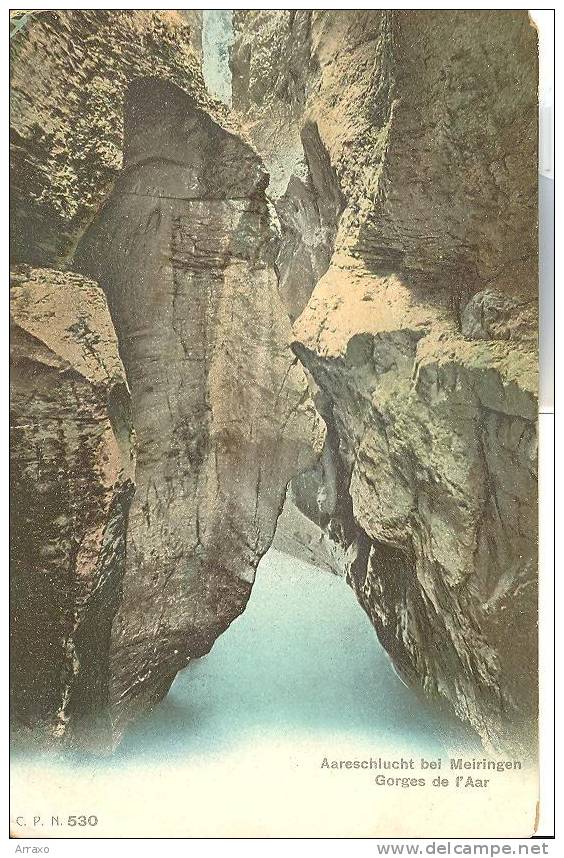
(309, 213)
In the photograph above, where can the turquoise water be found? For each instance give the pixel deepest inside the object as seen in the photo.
(303, 659)
(237, 746)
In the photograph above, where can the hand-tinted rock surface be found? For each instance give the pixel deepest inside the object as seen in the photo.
(422, 334)
(429, 119)
(71, 483)
(401, 150)
(70, 70)
(438, 439)
(184, 251)
(184, 247)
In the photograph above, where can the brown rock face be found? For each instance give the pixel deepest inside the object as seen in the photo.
(69, 73)
(429, 120)
(437, 439)
(303, 186)
(184, 251)
(71, 483)
(421, 336)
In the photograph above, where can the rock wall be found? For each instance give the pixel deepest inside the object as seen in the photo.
(69, 72)
(429, 120)
(120, 173)
(421, 335)
(184, 251)
(71, 482)
(269, 97)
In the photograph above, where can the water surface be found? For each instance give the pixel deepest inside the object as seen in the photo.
(237, 747)
(302, 659)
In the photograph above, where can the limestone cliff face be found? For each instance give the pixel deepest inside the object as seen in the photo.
(421, 335)
(71, 483)
(429, 120)
(437, 434)
(120, 173)
(269, 97)
(184, 252)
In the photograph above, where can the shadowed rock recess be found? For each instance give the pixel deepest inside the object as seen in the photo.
(374, 185)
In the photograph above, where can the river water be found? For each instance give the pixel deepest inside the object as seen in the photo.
(237, 747)
(302, 659)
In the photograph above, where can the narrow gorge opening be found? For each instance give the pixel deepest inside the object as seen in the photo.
(217, 38)
(302, 663)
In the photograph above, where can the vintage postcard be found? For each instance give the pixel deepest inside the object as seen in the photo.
(273, 303)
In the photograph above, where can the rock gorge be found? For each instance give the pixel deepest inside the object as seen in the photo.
(374, 183)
